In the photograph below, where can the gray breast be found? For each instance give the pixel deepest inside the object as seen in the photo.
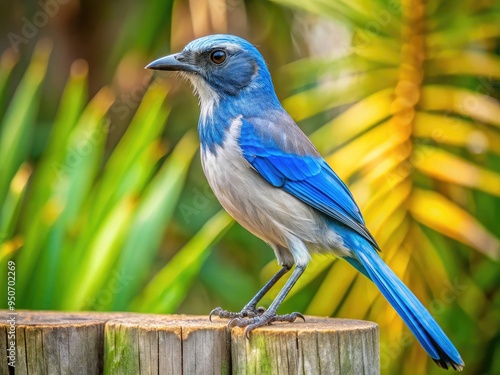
(268, 212)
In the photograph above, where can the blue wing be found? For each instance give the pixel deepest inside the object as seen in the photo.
(284, 156)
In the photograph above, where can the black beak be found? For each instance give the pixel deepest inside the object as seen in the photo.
(175, 62)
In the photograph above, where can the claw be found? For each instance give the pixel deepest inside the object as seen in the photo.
(247, 332)
(230, 324)
(288, 317)
(263, 320)
(299, 315)
(239, 322)
(251, 318)
(215, 311)
(247, 312)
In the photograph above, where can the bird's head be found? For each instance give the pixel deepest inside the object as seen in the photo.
(219, 66)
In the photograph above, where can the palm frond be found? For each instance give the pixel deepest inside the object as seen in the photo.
(416, 135)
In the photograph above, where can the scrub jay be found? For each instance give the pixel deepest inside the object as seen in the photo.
(268, 175)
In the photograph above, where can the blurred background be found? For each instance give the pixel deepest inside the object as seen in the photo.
(103, 204)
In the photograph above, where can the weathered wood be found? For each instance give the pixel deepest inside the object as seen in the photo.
(55, 343)
(168, 344)
(318, 346)
(122, 343)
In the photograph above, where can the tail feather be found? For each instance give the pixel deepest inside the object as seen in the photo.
(415, 315)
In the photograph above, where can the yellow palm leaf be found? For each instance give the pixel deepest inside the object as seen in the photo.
(346, 89)
(387, 146)
(464, 102)
(354, 121)
(456, 131)
(437, 212)
(327, 298)
(378, 215)
(376, 48)
(459, 62)
(370, 145)
(445, 166)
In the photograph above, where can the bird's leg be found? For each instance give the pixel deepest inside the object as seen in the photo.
(251, 310)
(269, 316)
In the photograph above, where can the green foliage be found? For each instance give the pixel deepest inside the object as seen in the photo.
(85, 229)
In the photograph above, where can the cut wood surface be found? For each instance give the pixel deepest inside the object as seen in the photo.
(128, 343)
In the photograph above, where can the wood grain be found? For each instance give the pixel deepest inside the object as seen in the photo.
(126, 343)
(166, 344)
(56, 343)
(318, 346)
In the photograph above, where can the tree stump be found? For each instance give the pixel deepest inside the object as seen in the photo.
(166, 344)
(127, 343)
(54, 343)
(318, 346)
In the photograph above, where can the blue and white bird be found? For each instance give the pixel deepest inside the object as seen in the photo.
(271, 179)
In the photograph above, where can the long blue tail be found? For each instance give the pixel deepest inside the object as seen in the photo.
(415, 315)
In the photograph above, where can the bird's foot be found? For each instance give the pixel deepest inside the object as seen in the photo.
(262, 320)
(247, 312)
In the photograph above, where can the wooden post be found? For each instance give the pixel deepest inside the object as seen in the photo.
(126, 343)
(319, 346)
(54, 343)
(166, 344)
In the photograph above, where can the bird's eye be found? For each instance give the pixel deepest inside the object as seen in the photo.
(218, 56)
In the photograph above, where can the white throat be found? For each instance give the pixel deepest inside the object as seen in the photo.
(208, 98)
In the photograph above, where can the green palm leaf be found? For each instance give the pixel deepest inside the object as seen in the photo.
(85, 228)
